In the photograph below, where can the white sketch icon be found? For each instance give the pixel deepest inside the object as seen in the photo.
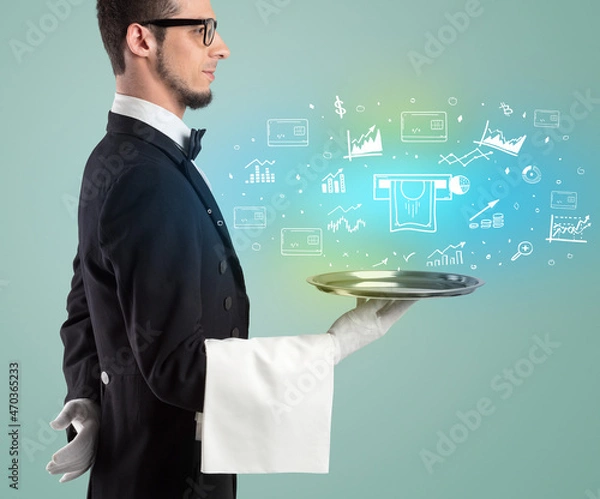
(506, 108)
(420, 127)
(287, 133)
(413, 198)
(339, 108)
(250, 217)
(568, 229)
(368, 144)
(348, 210)
(532, 174)
(496, 140)
(562, 200)
(301, 242)
(466, 159)
(525, 248)
(451, 255)
(260, 172)
(344, 223)
(334, 183)
(543, 118)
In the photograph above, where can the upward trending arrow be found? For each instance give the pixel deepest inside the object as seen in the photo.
(488, 207)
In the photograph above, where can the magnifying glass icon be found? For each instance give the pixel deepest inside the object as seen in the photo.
(524, 249)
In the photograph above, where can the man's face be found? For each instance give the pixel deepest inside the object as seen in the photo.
(185, 65)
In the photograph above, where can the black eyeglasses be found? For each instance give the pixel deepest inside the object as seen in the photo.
(210, 26)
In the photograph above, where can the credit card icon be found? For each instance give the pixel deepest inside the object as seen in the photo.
(420, 127)
(287, 133)
(301, 242)
(543, 118)
(250, 217)
(562, 200)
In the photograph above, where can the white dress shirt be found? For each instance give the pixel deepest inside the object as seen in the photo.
(268, 401)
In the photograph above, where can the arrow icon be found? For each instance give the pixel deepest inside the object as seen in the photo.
(488, 207)
(383, 262)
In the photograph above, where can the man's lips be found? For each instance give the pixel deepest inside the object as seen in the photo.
(210, 73)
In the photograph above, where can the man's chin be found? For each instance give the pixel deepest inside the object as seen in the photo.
(197, 100)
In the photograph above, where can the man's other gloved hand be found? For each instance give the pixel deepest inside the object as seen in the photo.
(367, 322)
(75, 458)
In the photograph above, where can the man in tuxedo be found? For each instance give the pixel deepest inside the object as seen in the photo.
(156, 276)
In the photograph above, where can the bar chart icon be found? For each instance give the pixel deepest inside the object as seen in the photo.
(260, 172)
(334, 183)
(452, 255)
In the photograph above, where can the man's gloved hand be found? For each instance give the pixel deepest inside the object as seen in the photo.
(75, 458)
(367, 322)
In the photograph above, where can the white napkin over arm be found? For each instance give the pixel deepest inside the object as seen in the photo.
(268, 404)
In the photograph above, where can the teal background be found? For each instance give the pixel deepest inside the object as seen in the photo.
(392, 398)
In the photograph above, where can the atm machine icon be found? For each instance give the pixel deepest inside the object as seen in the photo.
(413, 198)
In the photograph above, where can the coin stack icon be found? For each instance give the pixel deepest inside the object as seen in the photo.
(486, 224)
(498, 221)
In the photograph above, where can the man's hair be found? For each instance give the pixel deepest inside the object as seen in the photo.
(114, 16)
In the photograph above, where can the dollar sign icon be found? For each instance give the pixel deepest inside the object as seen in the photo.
(506, 108)
(339, 108)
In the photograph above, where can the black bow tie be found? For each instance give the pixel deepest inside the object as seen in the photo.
(195, 143)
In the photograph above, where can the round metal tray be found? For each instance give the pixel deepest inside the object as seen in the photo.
(395, 285)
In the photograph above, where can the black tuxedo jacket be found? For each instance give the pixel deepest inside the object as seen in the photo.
(154, 275)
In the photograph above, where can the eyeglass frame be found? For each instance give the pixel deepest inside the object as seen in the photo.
(171, 22)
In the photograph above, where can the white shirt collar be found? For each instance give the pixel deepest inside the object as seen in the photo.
(157, 117)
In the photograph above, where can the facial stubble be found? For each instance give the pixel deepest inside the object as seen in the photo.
(186, 96)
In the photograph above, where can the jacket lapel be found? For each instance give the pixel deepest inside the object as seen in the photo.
(123, 124)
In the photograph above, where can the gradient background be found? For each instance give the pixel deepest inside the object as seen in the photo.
(394, 398)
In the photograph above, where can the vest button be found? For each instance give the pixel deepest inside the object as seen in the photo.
(228, 303)
(235, 332)
(222, 266)
(104, 377)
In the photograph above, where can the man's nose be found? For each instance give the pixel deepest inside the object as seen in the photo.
(219, 47)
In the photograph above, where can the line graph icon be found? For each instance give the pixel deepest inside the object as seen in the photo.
(496, 140)
(260, 172)
(467, 159)
(346, 210)
(568, 229)
(368, 144)
(344, 223)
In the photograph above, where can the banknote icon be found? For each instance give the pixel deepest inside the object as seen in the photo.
(561, 200)
(544, 118)
(287, 133)
(423, 127)
(250, 217)
(301, 242)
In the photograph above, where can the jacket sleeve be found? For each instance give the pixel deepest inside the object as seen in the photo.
(80, 358)
(151, 237)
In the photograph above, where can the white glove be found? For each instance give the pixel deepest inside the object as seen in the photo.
(367, 322)
(75, 458)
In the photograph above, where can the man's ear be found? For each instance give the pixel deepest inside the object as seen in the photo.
(140, 41)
